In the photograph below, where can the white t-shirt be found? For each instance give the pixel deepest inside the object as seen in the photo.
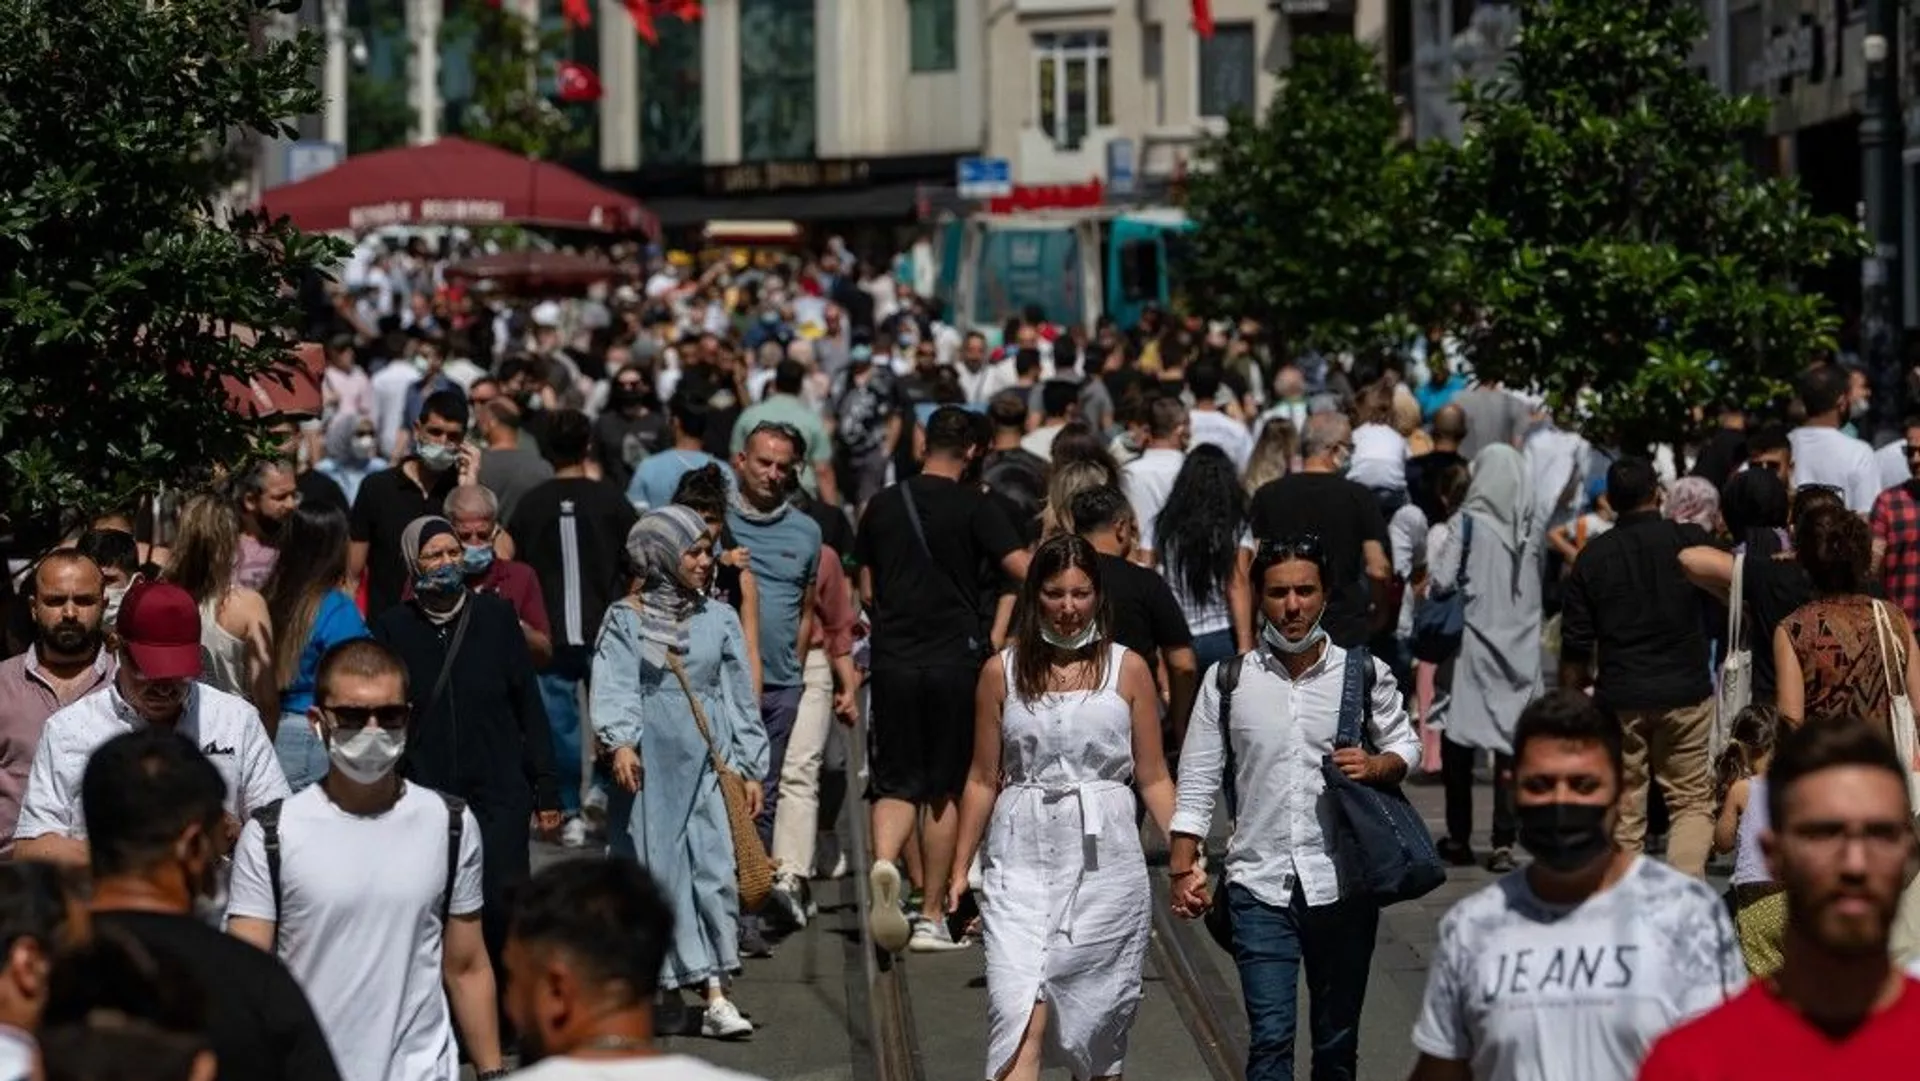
(656, 1068)
(1832, 457)
(361, 929)
(1527, 991)
(1213, 426)
(1379, 458)
(1148, 480)
(1891, 460)
(1407, 548)
(225, 728)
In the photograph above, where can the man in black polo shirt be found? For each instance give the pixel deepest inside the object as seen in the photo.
(390, 499)
(1320, 501)
(1627, 601)
(1146, 618)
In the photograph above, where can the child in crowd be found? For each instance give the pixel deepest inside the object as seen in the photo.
(1571, 538)
(1758, 905)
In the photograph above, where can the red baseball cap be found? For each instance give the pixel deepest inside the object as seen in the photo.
(160, 626)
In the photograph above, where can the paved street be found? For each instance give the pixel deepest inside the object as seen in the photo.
(809, 1000)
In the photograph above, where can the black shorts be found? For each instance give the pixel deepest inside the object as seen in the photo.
(920, 732)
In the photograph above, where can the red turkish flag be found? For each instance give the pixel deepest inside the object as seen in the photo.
(645, 11)
(578, 13)
(1203, 18)
(642, 12)
(576, 82)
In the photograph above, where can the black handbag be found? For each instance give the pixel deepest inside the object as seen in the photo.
(1375, 828)
(1440, 617)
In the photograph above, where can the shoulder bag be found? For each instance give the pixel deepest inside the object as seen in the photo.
(1736, 672)
(1374, 824)
(1893, 657)
(753, 871)
(1440, 618)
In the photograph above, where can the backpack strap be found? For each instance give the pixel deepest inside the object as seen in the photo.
(1226, 677)
(456, 825)
(269, 819)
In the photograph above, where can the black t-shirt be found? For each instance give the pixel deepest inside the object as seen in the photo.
(620, 442)
(1146, 618)
(259, 1023)
(573, 532)
(386, 503)
(319, 490)
(1018, 478)
(703, 383)
(836, 530)
(927, 616)
(1344, 515)
(1423, 478)
(1773, 588)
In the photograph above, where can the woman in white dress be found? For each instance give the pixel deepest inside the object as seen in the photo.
(1064, 718)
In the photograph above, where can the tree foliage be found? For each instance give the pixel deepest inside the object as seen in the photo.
(511, 58)
(1313, 217)
(119, 288)
(1613, 250)
(379, 112)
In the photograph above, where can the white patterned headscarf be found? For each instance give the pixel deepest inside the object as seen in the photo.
(655, 544)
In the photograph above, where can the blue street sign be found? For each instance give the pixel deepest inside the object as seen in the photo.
(1120, 175)
(311, 158)
(984, 178)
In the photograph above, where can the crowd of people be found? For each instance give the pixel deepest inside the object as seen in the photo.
(624, 571)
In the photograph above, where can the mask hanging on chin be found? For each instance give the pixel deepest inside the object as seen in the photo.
(1271, 634)
(1071, 644)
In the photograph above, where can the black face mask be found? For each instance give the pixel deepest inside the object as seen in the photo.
(1565, 836)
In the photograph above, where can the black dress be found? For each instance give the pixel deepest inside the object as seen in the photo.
(486, 740)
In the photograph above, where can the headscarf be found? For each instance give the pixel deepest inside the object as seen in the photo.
(655, 544)
(340, 433)
(1500, 495)
(1693, 501)
(415, 537)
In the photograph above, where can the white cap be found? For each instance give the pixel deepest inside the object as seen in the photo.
(546, 314)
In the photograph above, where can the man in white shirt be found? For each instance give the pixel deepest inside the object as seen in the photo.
(1822, 453)
(160, 656)
(583, 966)
(980, 377)
(1148, 479)
(1572, 966)
(368, 888)
(1290, 895)
(1209, 423)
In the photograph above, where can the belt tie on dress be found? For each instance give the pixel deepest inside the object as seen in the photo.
(1077, 791)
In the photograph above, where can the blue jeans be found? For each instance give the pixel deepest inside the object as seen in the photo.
(1211, 648)
(303, 757)
(560, 692)
(1269, 944)
(778, 707)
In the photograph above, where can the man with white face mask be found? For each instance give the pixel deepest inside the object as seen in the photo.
(391, 868)
(1293, 899)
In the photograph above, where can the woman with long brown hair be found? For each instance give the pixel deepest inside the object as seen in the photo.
(1063, 718)
(236, 633)
(310, 609)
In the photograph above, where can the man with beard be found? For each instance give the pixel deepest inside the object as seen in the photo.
(64, 664)
(1531, 971)
(266, 493)
(1839, 841)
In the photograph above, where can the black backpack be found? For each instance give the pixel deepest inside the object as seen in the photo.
(269, 819)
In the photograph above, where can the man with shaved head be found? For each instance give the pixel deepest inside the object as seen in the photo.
(64, 664)
(1449, 431)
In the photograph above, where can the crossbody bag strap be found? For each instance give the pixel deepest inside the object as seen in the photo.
(920, 535)
(269, 819)
(1882, 631)
(456, 825)
(453, 650)
(1466, 549)
(1736, 597)
(699, 712)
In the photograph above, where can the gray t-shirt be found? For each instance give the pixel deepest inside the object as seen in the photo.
(1528, 991)
(1493, 416)
(512, 474)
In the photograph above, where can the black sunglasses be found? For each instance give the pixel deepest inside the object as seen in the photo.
(1306, 546)
(354, 718)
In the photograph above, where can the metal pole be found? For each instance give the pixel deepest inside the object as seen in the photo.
(333, 21)
(1880, 139)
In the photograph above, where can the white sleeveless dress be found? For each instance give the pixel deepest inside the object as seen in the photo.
(1066, 908)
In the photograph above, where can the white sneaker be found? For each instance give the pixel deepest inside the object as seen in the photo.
(722, 1021)
(788, 900)
(931, 936)
(885, 921)
(574, 833)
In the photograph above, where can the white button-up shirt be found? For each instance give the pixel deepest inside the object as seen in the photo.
(1282, 728)
(226, 728)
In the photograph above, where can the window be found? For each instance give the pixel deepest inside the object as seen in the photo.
(1227, 70)
(931, 45)
(1073, 86)
(776, 80)
(672, 114)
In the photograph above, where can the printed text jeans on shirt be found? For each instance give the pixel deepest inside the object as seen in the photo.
(1335, 942)
(560, 687)
(796, 823)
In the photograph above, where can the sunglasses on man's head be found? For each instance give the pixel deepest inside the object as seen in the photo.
(1299, 546)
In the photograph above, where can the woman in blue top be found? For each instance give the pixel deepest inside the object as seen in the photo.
(306, 601)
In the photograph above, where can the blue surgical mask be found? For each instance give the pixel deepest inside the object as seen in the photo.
(441, 580)
(1078, 642)
(476, 558)
(1271, 634)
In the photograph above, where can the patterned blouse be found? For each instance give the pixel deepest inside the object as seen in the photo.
(1840, 661)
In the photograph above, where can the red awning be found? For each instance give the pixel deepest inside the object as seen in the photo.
(294, 389)
(453, 182)
(529, 272)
